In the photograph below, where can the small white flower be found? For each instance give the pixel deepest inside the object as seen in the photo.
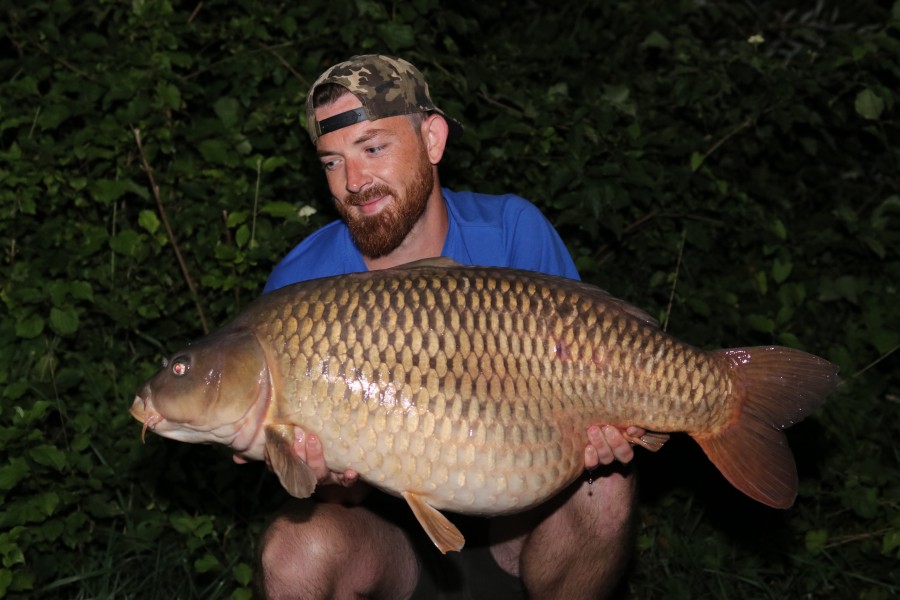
(306, 211)
(756, 39)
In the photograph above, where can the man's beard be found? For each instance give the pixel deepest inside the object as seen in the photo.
(381, 234)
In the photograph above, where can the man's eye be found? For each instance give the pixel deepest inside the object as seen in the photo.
(329, 166)
(374, 149)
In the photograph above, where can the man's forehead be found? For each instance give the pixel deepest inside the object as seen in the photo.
(362, 132)
(344, 103)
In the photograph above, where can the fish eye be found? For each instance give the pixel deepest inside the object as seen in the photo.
(180, 366)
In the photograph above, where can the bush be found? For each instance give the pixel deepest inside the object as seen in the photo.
(731, 169)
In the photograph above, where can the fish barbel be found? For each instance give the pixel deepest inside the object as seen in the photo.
(471, 389)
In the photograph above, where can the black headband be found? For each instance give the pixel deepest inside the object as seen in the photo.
(345, 119)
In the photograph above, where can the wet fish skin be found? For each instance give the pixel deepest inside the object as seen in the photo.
(471, 389)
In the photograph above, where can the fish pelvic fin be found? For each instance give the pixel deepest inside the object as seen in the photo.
(651, 440)
(775, 387)
(442, 532)
(294, 474)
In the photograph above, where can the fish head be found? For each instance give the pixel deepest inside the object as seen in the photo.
(216, 390)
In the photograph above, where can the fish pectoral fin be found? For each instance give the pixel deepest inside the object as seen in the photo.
(442, 532)
(651, 440)
(294, 474)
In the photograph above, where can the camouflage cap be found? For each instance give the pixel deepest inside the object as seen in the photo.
(386, 86)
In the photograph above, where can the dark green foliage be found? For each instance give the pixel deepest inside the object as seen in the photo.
(732, 168)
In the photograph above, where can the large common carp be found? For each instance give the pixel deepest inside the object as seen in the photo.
(471, 389)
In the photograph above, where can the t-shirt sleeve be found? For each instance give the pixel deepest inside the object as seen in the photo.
(535, 245)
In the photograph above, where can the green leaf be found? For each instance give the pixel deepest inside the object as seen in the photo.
(789, 339)
(237, 217)
(243, 573)
(656, 40)
(64, 320)
(200, 526)
(781, 270)
(107, 191)
(170, 95)
(148, 220)
(81, 290)
(884, 340)
(206, 563)
(6, 578)
(242, 236)
(891, 542)
(762, 282)
(242, 594)
(396, 36)
(29, 327)
(863, 501)
(779, 229)
(843, 288)
(13, 473)
(228, 109)
(125, 242)
(696, 161)
(273, 162)
(214, 151)
(49, 456)
(46, 502)
(869, 105)
(816, 541)
(761, 323)
(278, 209)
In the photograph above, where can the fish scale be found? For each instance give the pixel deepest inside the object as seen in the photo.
(471, 389)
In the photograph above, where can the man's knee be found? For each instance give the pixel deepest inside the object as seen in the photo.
(323, 550)
(603, 510)
(297, 550)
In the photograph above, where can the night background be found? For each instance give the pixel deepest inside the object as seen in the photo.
(732, 168)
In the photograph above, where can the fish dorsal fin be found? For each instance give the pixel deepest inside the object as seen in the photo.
(601, 296)
(639, 313)
(442, 532)
(435, 261)
(294, 474)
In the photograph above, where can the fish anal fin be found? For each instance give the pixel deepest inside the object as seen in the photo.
(442, 532)
(774, 388)
(296, 477)
(651, 440)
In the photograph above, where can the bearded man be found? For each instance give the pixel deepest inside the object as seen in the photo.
(379, 138)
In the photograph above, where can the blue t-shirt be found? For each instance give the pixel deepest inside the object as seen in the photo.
(484, 230)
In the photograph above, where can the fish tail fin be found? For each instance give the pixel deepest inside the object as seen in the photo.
(775, 387)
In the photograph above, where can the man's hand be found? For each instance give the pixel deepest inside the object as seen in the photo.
(341, 488)
(607, 444)
(308, 448)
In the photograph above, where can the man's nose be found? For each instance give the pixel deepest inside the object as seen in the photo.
(358, 176)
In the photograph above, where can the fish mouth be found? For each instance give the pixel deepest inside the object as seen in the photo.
(143, 411)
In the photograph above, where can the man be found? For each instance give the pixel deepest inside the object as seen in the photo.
(379, 139)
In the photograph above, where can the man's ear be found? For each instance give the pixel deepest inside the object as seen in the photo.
(434, 133)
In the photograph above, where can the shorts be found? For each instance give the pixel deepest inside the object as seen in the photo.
(471, 574)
